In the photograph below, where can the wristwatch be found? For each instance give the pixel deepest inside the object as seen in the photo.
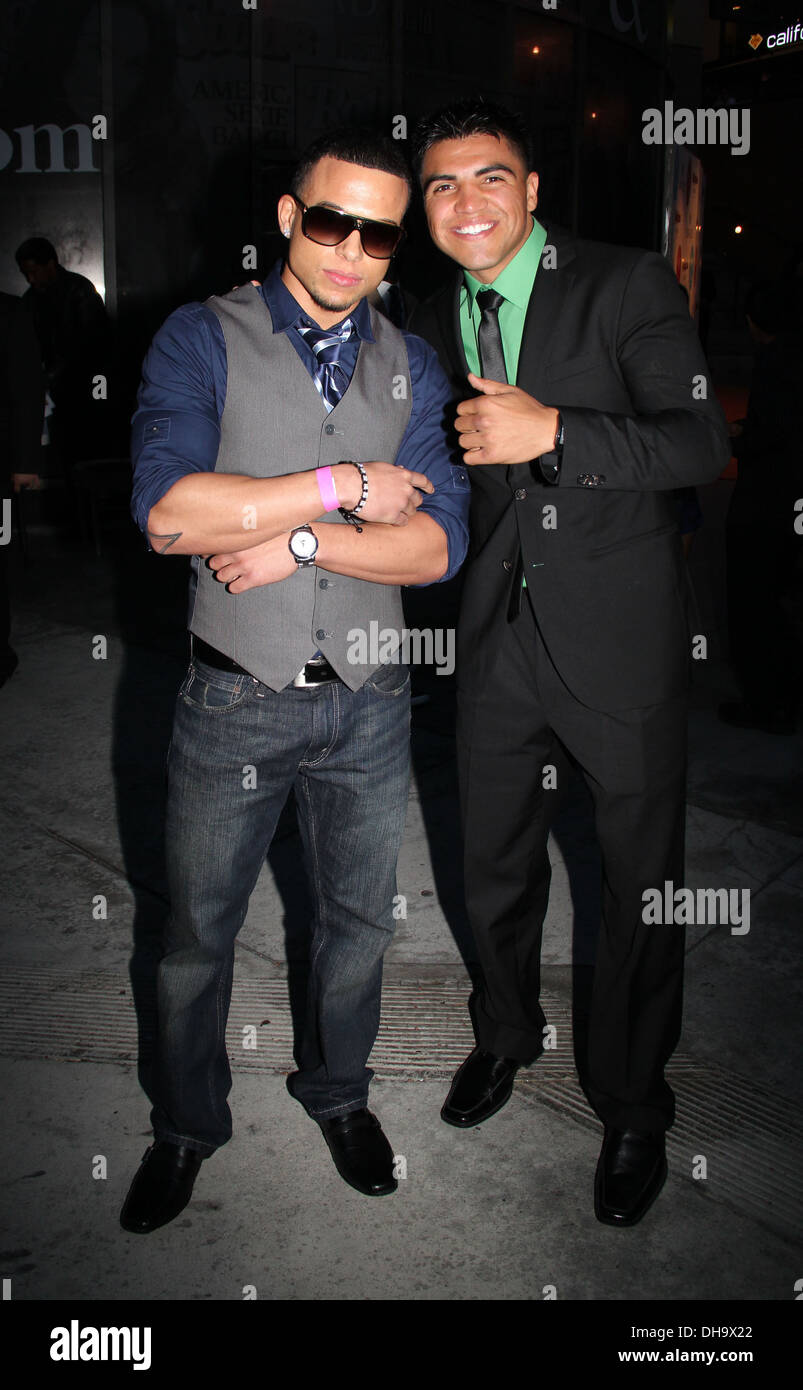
(550, 462)
(303, 544)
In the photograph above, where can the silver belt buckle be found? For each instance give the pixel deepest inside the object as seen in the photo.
(301, 681)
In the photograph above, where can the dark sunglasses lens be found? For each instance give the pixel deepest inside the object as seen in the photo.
(329, 228)
(378, 240)
(326, 226)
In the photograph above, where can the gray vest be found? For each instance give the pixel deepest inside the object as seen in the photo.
(274, 422)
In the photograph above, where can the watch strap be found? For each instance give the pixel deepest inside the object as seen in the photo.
(550, 463)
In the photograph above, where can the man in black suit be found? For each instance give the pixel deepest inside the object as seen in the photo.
(22, 411)
(573, 634)
(74, 333)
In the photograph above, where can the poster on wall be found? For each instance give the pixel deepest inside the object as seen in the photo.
(682, 229)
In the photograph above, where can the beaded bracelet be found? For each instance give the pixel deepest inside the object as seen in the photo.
(349, 514)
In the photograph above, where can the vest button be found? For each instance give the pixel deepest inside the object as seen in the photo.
(320, 634)
(521, 493)
(328, 429)
(323, 583)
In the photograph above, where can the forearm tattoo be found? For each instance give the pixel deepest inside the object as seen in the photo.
(168, 541)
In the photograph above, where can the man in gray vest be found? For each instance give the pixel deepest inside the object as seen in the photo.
(249, 408)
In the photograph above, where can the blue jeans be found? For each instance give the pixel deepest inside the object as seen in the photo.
(237, 750)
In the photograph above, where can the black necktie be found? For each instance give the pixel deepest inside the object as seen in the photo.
(492, 363)
(492, 357)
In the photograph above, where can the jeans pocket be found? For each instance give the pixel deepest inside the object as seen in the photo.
(206, 688)
(391, 679)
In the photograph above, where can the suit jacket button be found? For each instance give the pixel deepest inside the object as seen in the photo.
(520, 494)
(508, 564)
(320, 634)
(328, 429)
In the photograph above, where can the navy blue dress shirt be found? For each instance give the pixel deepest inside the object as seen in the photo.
(184, 382)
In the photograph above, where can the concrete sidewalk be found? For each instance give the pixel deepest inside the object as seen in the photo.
(500, 1212)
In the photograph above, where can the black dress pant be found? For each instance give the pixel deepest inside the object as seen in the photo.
(510, 729)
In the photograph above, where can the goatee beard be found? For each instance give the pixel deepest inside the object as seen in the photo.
(325, 303)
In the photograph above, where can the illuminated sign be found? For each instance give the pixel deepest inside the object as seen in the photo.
(790, 35)
(794, 34)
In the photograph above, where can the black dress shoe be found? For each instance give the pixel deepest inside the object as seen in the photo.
(630, 1174)
(481, 1086)
(363, 1157)
(161, 1188)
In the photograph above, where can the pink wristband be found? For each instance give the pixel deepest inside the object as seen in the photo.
(326, 487)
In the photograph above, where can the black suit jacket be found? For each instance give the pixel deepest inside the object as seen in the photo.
(608, 341)
(22, 393)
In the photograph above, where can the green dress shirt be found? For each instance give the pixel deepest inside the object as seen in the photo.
(515, 283)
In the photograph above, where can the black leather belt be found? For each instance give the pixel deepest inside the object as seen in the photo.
(314, 673)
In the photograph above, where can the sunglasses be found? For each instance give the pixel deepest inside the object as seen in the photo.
(327, 227)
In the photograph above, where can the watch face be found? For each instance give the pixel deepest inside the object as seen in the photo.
(304, 545)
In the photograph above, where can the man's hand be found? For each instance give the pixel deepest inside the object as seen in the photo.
(504, 424)
(21, 480)
(262, 564)
(394, 493)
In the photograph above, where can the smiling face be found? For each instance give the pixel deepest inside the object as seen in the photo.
(478, 197)
(329, 281)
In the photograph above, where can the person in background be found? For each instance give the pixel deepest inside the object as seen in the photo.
(74, 335)
(22, 405)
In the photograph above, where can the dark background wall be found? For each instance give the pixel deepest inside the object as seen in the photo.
(208, 104)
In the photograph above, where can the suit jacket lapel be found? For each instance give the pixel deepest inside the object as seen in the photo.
(552, 283)
(550, 288)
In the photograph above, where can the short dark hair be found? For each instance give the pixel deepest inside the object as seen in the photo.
(38, 249)
(471, 116)
(354, 145)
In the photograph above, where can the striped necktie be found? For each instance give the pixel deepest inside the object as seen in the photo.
(329, 378)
